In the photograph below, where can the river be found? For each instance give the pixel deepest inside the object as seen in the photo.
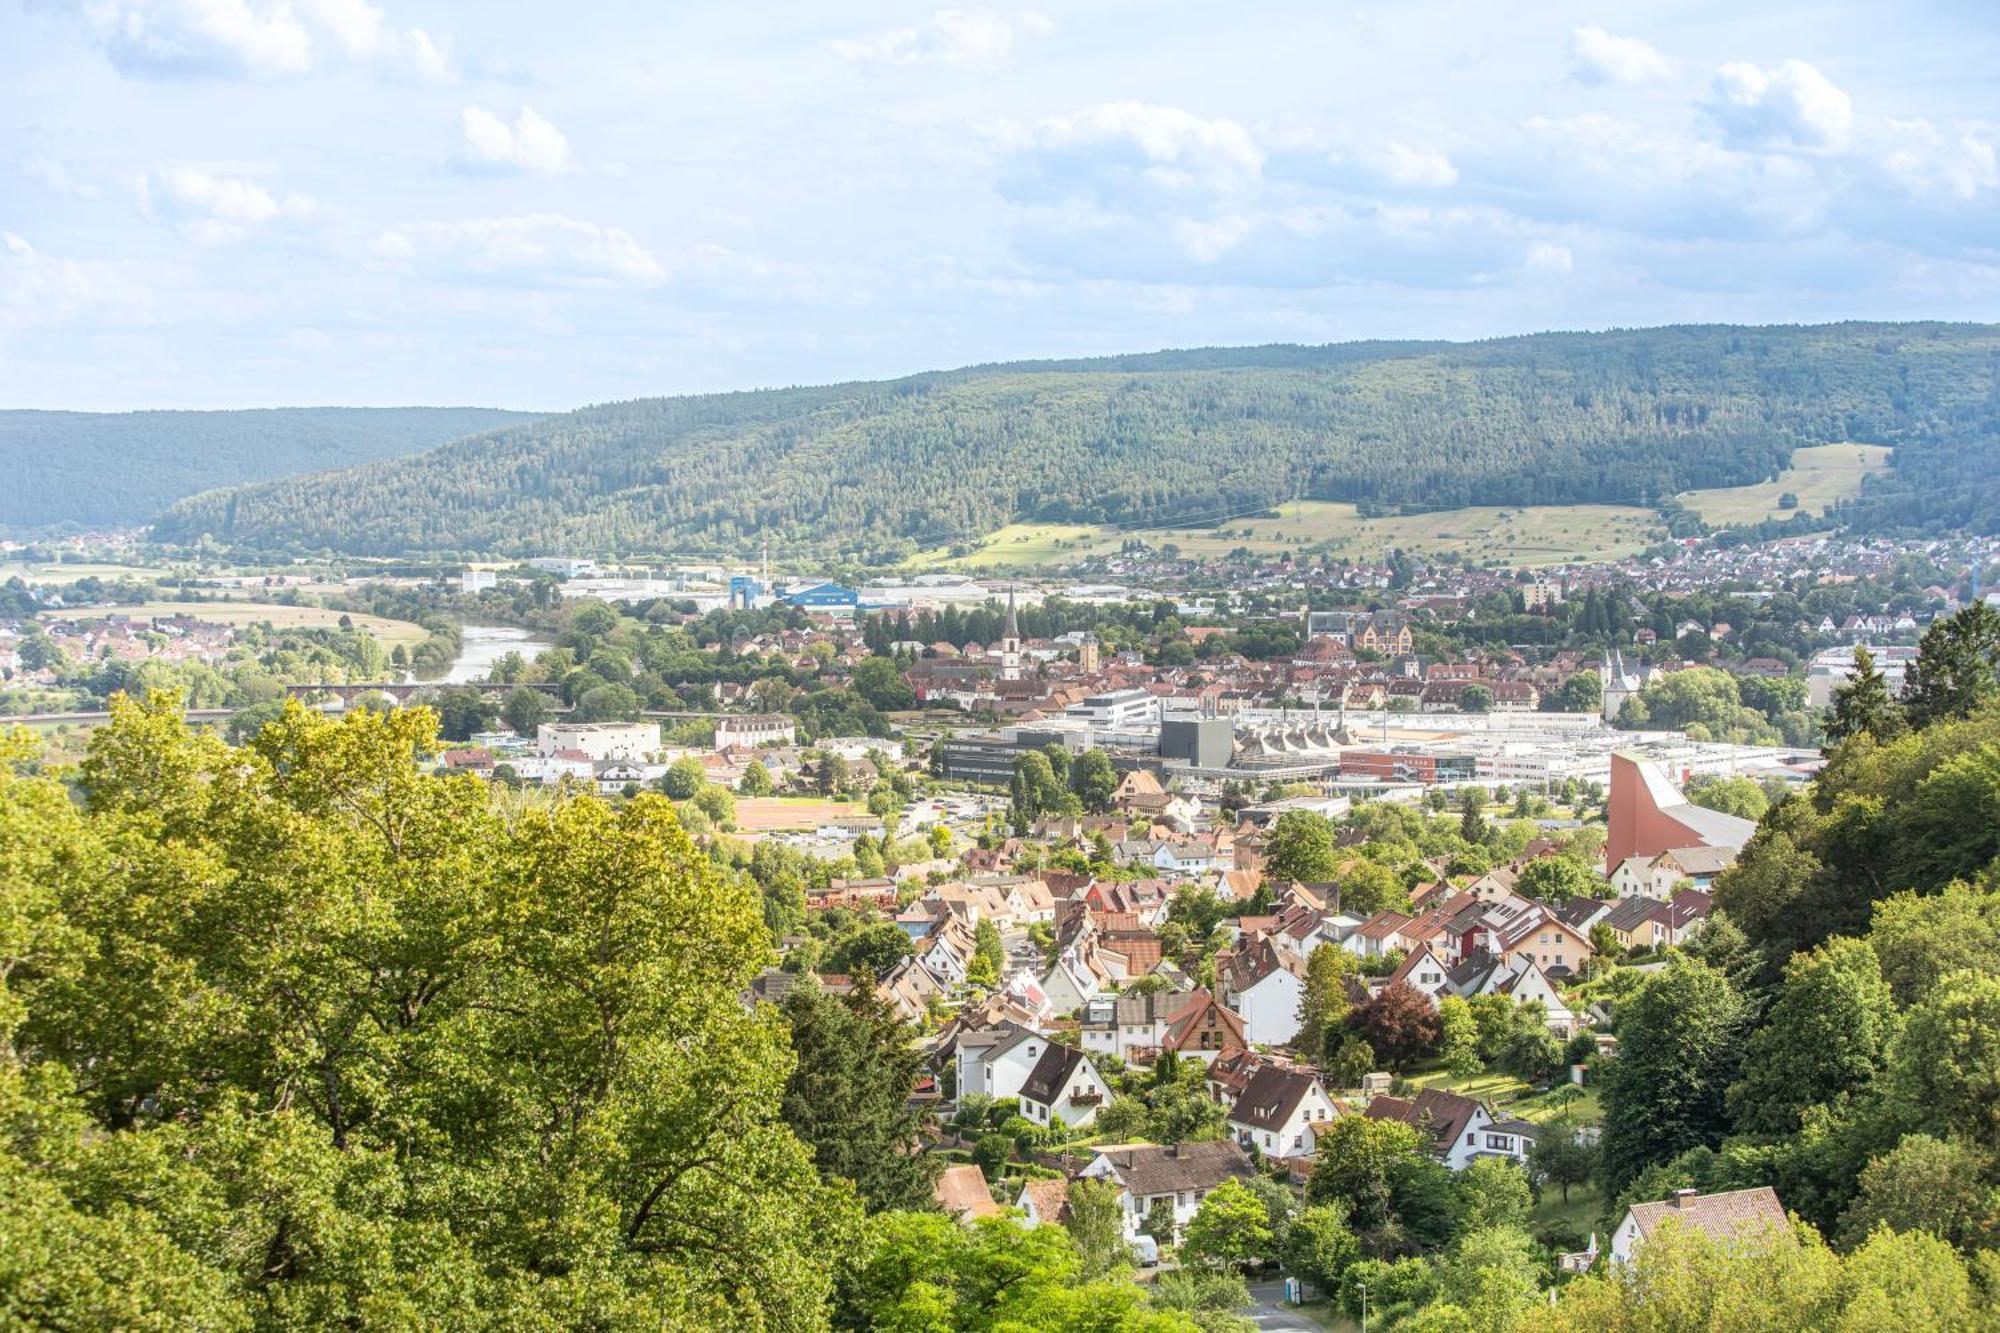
(481, 646)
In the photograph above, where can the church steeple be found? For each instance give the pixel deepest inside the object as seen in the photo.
(1010, 642)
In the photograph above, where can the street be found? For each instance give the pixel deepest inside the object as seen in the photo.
(1271, 1311)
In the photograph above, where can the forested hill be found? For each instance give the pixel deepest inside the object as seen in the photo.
(116, 469)
(881, 469)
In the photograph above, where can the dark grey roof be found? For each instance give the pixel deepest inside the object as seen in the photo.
(1051, 1074)
(1148, 1169)
(1271, 1097)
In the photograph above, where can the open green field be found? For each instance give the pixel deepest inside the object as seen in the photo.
(32, 571)
(1818, 476)
(389, 632)
(1525, 535)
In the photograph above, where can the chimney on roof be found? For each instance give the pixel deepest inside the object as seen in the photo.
(1681, 1198)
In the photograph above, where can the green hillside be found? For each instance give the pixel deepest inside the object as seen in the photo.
(120, 469)
(882, 471)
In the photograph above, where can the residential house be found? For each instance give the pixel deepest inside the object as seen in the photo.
(1044, 1201)
(1063, 1088)
(1263, 983)
(962, 1192)
(1180, 1175)
(996, 1062)
(1735, 1217)
(1281, 1112)
(1463, 1129)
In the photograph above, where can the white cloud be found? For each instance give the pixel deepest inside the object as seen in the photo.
(40, 289)
(1162, 147)
(211, 209)
(257, 39)
(531, 143)
(1599, 57)
(979, 37)
(1791, 106)
(1399, 164)
(1925, 160)
(540, 247)
(57, 177)
(1550, 258)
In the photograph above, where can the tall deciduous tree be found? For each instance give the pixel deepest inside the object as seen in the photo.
(1301, 847)
(1678, 1049)
(1323, 1002)
(1827, 1037)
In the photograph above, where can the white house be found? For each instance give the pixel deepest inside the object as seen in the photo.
(1263, 983)
(1749, 1216)
(995, 1062)
(1282, 1112)
(1180, 1174)
(598, 741)
(1062, 1088)
(1464, 1130)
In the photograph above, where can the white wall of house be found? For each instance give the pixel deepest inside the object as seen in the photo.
(1270, 1009)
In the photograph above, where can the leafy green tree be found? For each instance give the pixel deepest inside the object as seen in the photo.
(607, 703)
(1458, 1038)
(1557, 879)
(1944, 1068)
(756, 780)
(872, 950)
(881, 683)
(1737, 796)
(830, 774)
(1921, 939)
(524, 711)
(1093, 780)
(1678, 1050)
(1319, 1246)
(1096, 1226)
(1957, 667)
(683, 778)
(1301, 848)
(1493, 1192)
(1230, 1229)
(1531, 1053)
(848, 1094)
(1475, 699)
(1183, 1112)
(1323, 1001)
(1212, 1300)
(1561, 1158)
(1034, 790)
(1826, 1038)
(1927, 1184)
(1353, 1166)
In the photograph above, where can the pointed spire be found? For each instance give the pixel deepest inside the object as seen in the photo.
(1013, 625)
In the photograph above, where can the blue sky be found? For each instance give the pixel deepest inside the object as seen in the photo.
(215, 203)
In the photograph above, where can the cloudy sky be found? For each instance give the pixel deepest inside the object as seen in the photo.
(212, 203)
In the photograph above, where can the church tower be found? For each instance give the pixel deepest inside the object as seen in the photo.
(1010, 642)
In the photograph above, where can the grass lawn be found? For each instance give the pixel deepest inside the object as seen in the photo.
(1579, 1214)
(771, 814)
(1521, 535)
(389, 632)
(1509, 1095)
(1818, 476)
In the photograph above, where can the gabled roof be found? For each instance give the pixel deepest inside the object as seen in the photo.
(1051, 1074)
(1447, 1113)
(1272, 1097)
(962, 1192)
(1149, 1169)
(1202, 1012)
(1722, 1216)
(1051, 1198)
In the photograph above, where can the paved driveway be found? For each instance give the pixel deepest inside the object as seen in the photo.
(1271, 1311)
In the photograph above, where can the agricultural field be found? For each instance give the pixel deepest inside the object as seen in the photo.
(390, 632)
(1528, 535)
(1818, 476)
(38, 571)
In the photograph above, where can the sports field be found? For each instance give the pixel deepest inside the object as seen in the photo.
(774, 814)
(1818, 476)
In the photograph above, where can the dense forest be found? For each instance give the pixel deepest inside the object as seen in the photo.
(120, 469)
(878, 470)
